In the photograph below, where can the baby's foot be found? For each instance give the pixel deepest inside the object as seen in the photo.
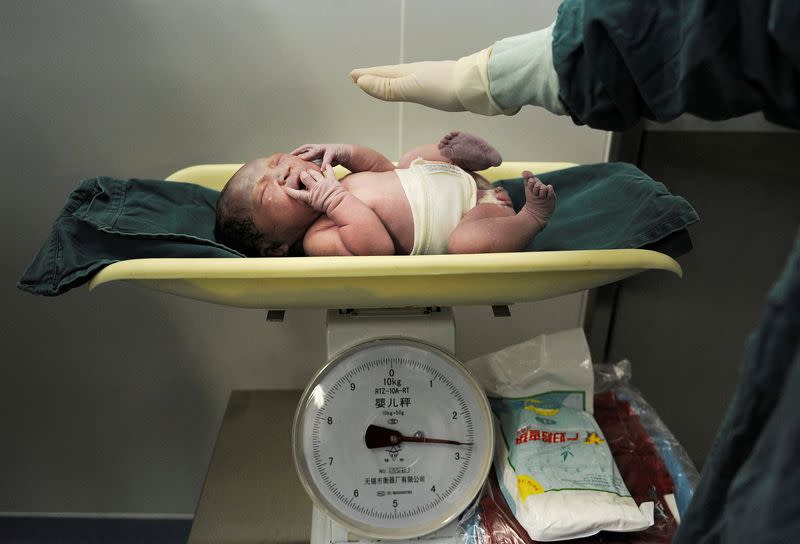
(540, 199)
(469, 152)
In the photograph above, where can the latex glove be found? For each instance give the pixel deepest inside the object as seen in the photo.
(522, 73)
(324, 191)
(430, 83)
(449, 85)
(331, 154)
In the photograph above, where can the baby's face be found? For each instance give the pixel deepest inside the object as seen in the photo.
(282, 219)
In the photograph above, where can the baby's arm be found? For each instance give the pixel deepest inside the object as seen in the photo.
(355, 158)
(364, 159)
(351, 227)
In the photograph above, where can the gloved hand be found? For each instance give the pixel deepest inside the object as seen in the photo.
(331, 154)
(324, 191)
(448, 85)
(430, 83)
(522, 73)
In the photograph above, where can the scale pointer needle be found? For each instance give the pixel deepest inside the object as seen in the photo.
(382, 437)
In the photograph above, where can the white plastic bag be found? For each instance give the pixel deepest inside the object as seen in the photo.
(550, 362)
(552, 463)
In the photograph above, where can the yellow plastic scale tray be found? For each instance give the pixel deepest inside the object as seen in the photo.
(387, 281)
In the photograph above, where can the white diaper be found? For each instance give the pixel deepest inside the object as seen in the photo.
(439, 194)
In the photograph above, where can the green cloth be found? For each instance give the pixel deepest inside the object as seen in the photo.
(621, 60)
(607, 206)
(107, 220)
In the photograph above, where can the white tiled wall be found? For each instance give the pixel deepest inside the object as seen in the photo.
(110, 401)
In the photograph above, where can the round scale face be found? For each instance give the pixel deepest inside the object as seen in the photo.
(393, 439)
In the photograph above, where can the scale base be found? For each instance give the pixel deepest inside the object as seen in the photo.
(326, 531)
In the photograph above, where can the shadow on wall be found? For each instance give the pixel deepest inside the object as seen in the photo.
(93, 396)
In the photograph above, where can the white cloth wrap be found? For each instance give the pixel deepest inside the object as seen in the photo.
(439, 195)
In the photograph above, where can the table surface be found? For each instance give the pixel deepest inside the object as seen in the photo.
(252, 492)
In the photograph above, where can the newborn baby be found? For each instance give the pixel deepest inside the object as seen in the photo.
(432, 202)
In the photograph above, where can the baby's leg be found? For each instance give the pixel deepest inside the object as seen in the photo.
(464, 150)
(429, 152)
(489, 228)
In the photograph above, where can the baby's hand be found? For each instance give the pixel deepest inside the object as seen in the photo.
(331, 154)
(324, 191)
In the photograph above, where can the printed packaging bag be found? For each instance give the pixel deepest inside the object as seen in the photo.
(553, 465)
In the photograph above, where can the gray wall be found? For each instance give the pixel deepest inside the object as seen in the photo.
(686, 337)
(110, 401)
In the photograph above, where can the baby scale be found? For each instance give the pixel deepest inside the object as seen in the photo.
(392, 438)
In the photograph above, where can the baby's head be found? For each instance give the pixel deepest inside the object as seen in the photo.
(255, 214)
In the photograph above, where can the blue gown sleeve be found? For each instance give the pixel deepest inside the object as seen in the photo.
(621, 60)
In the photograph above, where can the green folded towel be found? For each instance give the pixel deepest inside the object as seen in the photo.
(606, 206)
(106, 220)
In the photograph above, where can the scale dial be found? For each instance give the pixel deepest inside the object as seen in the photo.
(393, 438)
